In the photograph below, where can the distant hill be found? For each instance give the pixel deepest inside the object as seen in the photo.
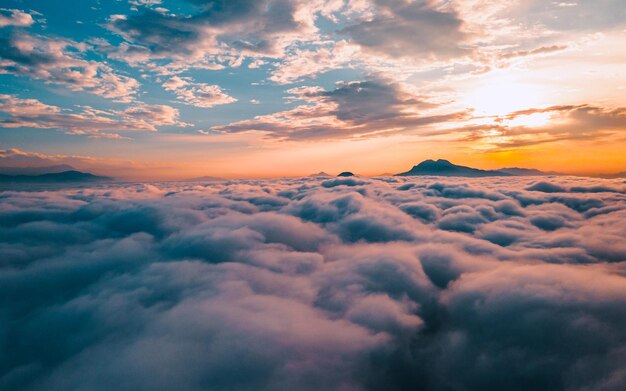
(65, 176)
(614, 176)
(205, 179)
(516, 171)
(35, 170)
(443, 167)
(319, 174)
(346, 173)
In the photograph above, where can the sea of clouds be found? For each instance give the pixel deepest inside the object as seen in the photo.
(316, 284)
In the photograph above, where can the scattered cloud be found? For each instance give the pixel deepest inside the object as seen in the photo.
(534, 52)
(144, 2)
(570, 16)
(58, 61)
(15, 17)
(85, 120)
(557, 123)
(419, 29)
(197, 94)
(309, 63)
(260, 28)
(354, 108)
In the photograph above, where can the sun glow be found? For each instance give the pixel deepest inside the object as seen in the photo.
(502, 95)
(531, 120)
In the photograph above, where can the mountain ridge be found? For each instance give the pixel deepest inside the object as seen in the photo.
(64, 176)
(442, 167)
(35, 170)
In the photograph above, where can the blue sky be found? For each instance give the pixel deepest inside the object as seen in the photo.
(234, 87)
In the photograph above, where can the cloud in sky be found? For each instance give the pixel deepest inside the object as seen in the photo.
(466, 77)
(15, 17)
(57, 61)
(390, 283)
(197, 94)
(260, 28)
(86, 120)
(419, 29)
(548, 125)
(572, 15)
(356, 108)
(312, 62)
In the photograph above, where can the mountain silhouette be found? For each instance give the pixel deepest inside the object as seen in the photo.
(443, 167)
(517, 171)
(35, 170)
(65, 176)
(205, 179)
(319, 174)
(616, 175)
(346, 173)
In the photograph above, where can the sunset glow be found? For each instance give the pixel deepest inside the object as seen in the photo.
(171, 93)
(312, 195)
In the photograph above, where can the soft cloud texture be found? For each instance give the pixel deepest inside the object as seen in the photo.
(14, 17)
(349, 283)
(233, 28)
(478, 75)
(85, 120)
(197, 94)
(309, 63)
(356, 108)
(419, 29)
(557, 123)
(58, 61)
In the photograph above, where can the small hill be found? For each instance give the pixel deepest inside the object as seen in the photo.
(616, 175)
(516, 171)
(205, 179)
(320, 174)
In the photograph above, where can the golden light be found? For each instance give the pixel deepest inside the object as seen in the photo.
(501, 95)
(532, 120)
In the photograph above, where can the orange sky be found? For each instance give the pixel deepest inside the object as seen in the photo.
(343, 86)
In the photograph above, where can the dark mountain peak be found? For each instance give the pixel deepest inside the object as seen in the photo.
(444, 167)
(346, 173)
(430, 163)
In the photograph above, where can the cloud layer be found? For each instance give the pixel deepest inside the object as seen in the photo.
(346, 284)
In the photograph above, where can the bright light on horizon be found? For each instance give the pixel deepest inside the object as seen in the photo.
(501, 95)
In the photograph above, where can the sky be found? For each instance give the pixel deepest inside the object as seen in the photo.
(160, 89)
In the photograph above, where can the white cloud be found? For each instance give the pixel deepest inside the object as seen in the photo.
(309, 63)
(197, 94)
(58, 61)
(15, 17)
(292, 284)
(86, 120)
(352, 109)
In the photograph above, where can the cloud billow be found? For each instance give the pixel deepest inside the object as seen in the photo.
(352, 109)
(431, 284)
